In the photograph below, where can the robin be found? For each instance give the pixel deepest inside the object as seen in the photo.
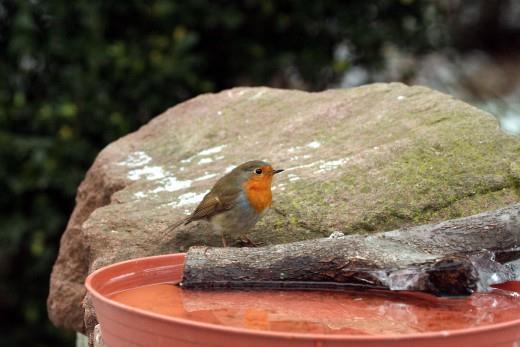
(237, 201)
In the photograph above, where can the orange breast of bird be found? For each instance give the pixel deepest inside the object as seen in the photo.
(258, 192)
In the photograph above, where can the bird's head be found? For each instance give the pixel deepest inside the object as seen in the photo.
(257, 172)
(256, 178)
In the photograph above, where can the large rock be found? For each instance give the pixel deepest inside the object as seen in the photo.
(361, 160)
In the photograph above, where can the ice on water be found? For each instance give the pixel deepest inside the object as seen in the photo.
(492, 272)
(489, 271)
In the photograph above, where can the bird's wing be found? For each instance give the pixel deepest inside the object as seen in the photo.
(214, 202)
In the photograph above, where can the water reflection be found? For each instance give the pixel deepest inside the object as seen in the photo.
(327, 312)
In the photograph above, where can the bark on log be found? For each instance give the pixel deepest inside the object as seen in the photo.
(454, 257)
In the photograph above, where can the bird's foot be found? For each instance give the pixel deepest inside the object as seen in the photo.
(247, 242)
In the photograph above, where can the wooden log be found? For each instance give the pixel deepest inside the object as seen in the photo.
(448, 258)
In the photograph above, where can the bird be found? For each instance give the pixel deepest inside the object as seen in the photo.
(236, 201)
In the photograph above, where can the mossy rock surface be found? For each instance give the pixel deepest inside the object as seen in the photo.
(367, 159)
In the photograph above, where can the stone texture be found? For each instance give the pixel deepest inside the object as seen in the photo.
(367, 159)
(70, 269)
(98, 339)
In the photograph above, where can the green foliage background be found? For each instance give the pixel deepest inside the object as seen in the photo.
(76, 75)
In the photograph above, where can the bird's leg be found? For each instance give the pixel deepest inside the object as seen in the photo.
(224, 243)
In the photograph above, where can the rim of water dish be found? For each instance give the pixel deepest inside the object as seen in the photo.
(275, 334)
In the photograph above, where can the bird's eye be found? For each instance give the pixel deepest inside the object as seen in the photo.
(258, 171)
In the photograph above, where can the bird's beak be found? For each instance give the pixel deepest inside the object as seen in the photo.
(277, 171)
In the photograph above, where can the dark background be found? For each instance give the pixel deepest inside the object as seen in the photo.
(76, 75)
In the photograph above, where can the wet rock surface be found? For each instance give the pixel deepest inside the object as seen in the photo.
(367, 159)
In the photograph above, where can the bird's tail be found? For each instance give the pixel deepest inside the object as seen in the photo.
(178, 224)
